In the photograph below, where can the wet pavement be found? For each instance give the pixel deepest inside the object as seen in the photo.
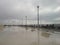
(21, 36)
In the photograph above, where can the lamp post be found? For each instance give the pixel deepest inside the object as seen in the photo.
(26, 22)
(22, 22)
(38, 22)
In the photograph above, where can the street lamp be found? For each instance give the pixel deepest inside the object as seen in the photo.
(26, 22)
(38, 22)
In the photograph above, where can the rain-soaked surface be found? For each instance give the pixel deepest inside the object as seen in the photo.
(21, 36)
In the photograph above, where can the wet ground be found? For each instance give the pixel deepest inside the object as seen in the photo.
(21, 36)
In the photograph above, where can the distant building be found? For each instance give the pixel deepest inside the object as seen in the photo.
(57, 26)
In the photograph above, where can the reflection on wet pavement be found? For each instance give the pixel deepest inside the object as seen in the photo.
(45, 34)
(1, 27)
(19, 36)
(32, 29)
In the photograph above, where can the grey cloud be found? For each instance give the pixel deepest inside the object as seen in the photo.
(50, 16)
(7, 10)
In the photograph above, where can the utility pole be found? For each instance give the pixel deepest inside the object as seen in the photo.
(38, 22)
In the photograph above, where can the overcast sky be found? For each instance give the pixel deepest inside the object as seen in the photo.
(16, 10)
